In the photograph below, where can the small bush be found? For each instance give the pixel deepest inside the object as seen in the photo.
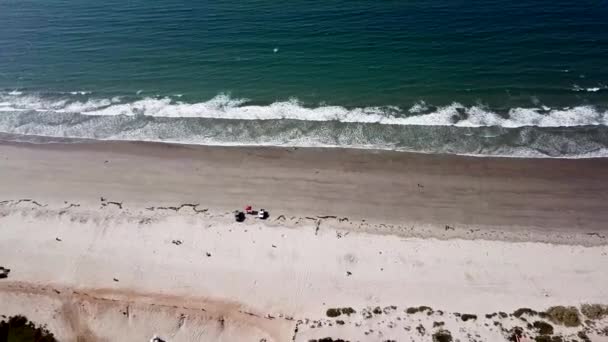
(421, 329)
(519, 312)
(388, 309)
(442, 336)
(515, 334)
(583, 336)
(18, 328)
(333, 312)
(466, 317)
(419, 309)
(348, 311)
(545, 338)
(438, 324)
(543, 328)
(594, 311)
(567, 316)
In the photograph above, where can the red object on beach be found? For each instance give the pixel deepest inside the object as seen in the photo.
(248, 209)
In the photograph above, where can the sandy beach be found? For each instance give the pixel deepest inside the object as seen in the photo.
(119, 241)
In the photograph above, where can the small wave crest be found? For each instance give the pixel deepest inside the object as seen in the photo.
(578, 88)
(224, 107)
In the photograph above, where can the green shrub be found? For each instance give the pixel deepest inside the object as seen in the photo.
(348, 311)
(19, 329)
(543, 328)
(546, 338)
(515, 334)
(583, 336)
(567, 316)
(594, 311)
(333, 312)
(414, 310)
(466, 317)
(519, 312)
(442, 336)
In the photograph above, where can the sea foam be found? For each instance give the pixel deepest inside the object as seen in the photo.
(227, 108)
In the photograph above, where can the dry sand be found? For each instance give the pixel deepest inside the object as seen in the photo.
(101, 247)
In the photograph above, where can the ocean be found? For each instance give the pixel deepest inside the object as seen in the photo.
(505, 78)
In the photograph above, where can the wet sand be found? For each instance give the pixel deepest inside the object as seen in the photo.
(547, 195)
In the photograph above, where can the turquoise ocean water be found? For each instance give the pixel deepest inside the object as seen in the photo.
(495, 77)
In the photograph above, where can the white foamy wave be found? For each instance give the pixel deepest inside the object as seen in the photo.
(81, 92)
(82, 107)
(225, 107)
(590, 90)
(63, 105)
(419, 107)
(31, 102)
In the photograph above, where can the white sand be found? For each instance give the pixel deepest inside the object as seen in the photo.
(278, 272)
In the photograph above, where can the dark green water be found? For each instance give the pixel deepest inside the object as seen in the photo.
(491, 77)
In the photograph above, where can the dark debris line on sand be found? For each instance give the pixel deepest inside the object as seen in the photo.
(25, 200)
(105, 203)
(193, 206)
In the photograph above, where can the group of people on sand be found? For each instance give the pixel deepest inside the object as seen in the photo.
(239, 216)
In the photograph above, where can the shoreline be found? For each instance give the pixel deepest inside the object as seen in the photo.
(8, 138)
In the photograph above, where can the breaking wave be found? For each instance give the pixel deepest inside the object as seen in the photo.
(225, 107)
(577, 88)
(576, 132)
